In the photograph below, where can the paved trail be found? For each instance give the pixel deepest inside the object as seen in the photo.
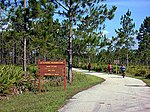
(116, 94)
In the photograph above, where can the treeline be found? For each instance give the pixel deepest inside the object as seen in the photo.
(34, 28)
(61, 29)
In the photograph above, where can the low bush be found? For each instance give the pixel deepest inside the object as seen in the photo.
(10, 78)
(12, 81)
(137, 74)
(147, 76)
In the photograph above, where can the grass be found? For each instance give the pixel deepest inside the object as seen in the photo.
(49, 101)
(147, 81)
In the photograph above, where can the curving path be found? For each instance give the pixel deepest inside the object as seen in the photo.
(116, 94)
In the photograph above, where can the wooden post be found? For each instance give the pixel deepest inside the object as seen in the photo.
(65, 82)
(65, 76)
(39, 82)
(116, 62)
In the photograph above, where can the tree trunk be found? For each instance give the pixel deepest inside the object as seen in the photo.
(127, 60)
(35, 58)
(24, 57)
(24, 49)
(28, 57)
(70, 51)
(31, 57)
(2, 49)
(44, 56)
(14, 54)
(7, 55)
(147, 65)
(89, 60)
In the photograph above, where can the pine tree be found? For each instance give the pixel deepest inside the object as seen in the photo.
(125, 34)
(78, 12)
(144, 41)
(3, 27)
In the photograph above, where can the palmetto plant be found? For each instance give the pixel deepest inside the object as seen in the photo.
(9, 77)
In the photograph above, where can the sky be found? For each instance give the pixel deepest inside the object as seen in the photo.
(139, 10)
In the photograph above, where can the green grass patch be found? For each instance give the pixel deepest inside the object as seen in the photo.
(147, 81)
(49, 101)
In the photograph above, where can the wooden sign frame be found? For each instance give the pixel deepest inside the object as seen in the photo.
(51, 68)
(116, 62)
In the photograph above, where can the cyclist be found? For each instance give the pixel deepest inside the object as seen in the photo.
(123, 69)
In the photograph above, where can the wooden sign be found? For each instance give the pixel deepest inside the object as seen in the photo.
(51, 68)
(116, 61)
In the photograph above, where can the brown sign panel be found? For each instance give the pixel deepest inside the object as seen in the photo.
(116, 61)
(51, 62)
(52, 68)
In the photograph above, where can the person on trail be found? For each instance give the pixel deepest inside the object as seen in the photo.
(123, 69)
(110, 68)
(89, 67)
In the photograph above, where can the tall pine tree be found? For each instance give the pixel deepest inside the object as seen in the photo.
(144, 41)
(125, 34)
(78, 12)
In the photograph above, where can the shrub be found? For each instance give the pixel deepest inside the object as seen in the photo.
(13, 82)
(137, 74)
(105, 69)
(142, 72)
(147, 76)
(10, 76)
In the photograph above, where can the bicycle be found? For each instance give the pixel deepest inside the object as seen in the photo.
(123, 74)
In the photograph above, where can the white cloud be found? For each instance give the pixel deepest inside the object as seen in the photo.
(105, 32)
(131, 3)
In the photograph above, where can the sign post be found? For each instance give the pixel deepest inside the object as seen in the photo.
(116, 62)
(51, 68)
